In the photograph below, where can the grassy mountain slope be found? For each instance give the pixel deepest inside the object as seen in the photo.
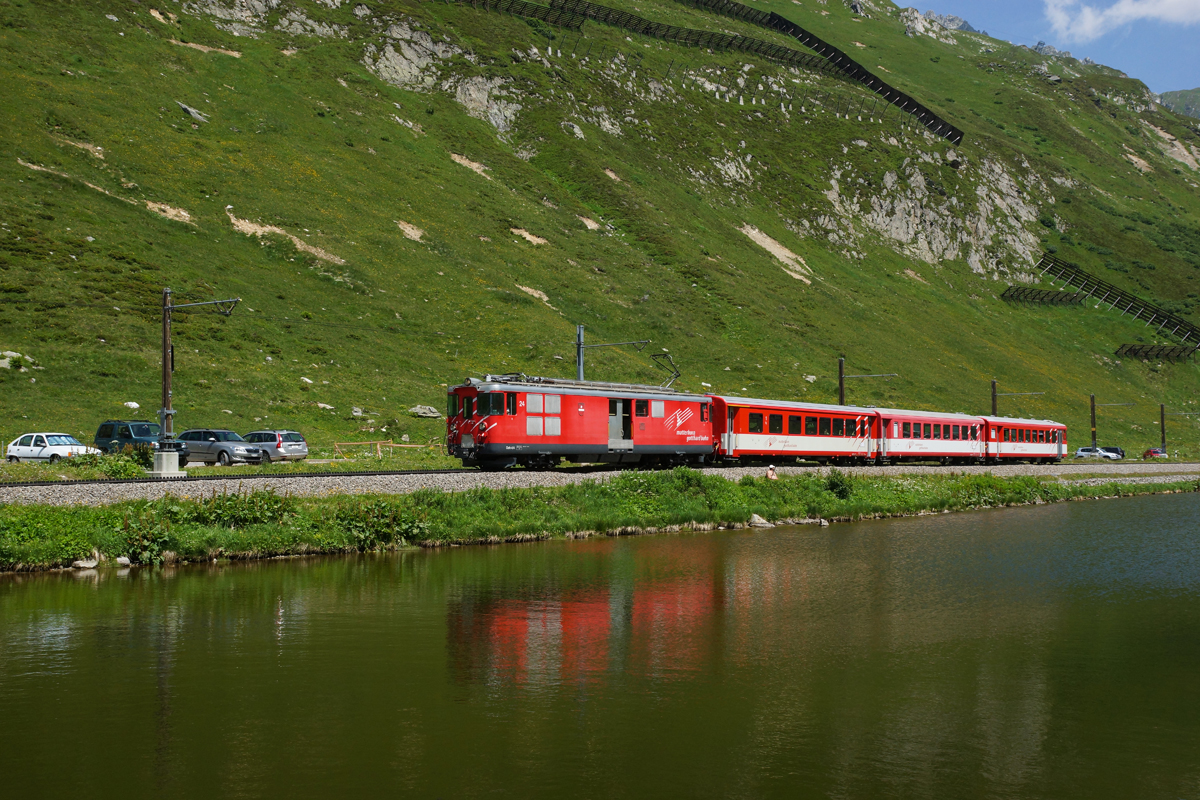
(670, 154)
(1185, 102)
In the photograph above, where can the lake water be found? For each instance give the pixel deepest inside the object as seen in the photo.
(1039, 652)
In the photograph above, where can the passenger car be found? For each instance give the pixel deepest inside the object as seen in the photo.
(279, 445)
(1114, 452)
(52, 447)
(1156, 452)
(113, 434)
(1096, 452)
(218, 446)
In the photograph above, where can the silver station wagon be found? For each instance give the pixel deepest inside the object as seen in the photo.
(279, 445)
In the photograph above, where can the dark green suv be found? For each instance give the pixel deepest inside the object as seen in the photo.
(114, 434)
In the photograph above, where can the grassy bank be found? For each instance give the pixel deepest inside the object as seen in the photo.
(263, 524)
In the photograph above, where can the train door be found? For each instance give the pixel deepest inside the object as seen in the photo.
(883, 437)
(620, 424)
(730, 438)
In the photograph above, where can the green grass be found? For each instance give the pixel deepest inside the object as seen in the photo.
(290, 144)
(262, 524)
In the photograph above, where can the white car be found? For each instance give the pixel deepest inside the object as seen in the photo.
(52, 447)
(1097, 452)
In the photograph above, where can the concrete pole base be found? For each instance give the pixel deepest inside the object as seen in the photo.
(166, 465)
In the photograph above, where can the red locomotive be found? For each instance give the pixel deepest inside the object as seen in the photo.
(510, 420)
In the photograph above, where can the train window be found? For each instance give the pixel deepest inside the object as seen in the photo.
(533, 403)
(795, 425)
(497, 403)
(533, 426)
(756, 423)
(810, 426)
(1053, 437)
(510, 401)
(824, 428)
(775, 423)
(945, 431)
(1041, 437)
(641, 408)
(553, 404)
(937, 431)
(468, 407)
(658, 408)
(451, 405)
(927, 431)
(553, 426)
(839, 426)
(974, 433)
(908, 430)
(954, 433)
(704, 412)
(895, 429)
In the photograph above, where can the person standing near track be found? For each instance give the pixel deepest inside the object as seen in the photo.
(771, 476)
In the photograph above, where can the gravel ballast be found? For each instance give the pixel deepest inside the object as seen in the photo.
(106, 493)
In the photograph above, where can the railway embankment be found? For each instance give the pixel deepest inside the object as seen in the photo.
(259, 519)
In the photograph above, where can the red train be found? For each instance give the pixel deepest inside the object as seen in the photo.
(509, 420)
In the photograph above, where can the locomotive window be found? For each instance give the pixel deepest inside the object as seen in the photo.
(775, 423)
(612, 408)
(553, 426)
(756, 423)
(954, 433)
(810, 426)
(908, 430)
(533, 404)
(658, 408)
(795, 425)
(824, 428)
(497, 403)
(451, 405)
(468, 407)
(839, 426)
(641, 408)
(533, 426)
(937, 431)
(511, 402)
(704, 412)
(553, 403)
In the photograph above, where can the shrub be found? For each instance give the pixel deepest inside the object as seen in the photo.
(839, 484)
(144, 538)
(373, 523)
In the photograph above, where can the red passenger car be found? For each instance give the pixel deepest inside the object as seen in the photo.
(506, 420)
(1040, 440)
(779, 430)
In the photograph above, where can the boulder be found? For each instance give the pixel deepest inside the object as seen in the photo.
(425, 411)
(89, 564)
(758, 522)
(123, 561)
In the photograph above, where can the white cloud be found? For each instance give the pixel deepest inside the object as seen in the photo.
(1080, 22)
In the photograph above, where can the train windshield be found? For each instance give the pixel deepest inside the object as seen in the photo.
(490, 403)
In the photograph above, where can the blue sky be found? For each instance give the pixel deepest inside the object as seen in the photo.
(1156, 41)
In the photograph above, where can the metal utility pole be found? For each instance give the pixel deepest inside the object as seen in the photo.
(166, 460)
(842, 376)
(1162, 423)
(995, 394)
(580, 347)
(1094, 404)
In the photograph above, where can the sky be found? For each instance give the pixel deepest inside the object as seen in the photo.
(1155, 41)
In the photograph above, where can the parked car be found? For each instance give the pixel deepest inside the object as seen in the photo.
(1096, 452)
(1156, 452)
(114, 434)
(217, 446)
(279, 445)
(52, 447)
(1114, 452)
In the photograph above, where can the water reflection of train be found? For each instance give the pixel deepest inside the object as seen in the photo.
(655, 623)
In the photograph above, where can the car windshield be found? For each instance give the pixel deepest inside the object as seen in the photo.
(145, 429)
(228, 436)
(62, 439)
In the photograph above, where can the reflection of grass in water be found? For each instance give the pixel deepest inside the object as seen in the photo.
(260, 524)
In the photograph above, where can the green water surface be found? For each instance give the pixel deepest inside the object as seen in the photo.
(1040, 652)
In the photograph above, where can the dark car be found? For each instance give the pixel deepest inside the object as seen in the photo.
(114, 434)
(1156, 452)
(1116, 451)
(219, 446)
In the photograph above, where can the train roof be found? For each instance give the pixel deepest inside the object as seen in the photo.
(733, 400)
(569, 386)
(908, 412)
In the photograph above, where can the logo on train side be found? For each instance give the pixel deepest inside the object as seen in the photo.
(681, 416)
